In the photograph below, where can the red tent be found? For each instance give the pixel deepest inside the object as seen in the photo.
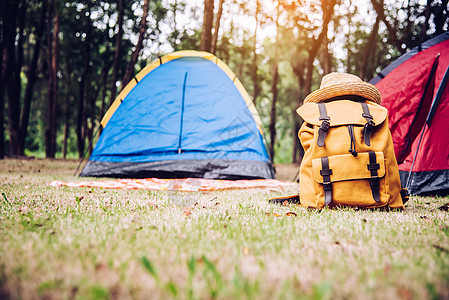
(415, 91)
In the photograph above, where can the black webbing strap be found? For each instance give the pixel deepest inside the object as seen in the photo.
(373, 166)
(324, 128)
(327, 185)
(352, 137)
(368, 128)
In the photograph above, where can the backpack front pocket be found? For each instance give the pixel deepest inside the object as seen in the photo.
(350, 180)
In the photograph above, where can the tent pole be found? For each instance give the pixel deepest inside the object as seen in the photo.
(85, 150)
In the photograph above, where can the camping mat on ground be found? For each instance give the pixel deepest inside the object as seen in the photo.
(188, 184)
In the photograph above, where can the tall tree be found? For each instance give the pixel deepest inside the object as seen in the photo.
(391, 29)
(305, 68)
(254, 73)
(326, 57)
(118, 48)
(441, 14)
(217, 27)
(8, 38)
(206, 32)
(129, 74)
(31, 80)
(274, 88)
(14, 85)
(53, 46)
(327, 7)
(68, 85)
(82, 127)
(3, 18)
(105, 72)
(369, 49)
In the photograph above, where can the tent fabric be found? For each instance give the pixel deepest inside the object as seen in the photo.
(185, 185)
(409, 87)
(185, 115)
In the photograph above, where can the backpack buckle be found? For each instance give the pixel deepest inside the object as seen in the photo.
(374, 181)
(327, 186)
(325, 125)
(322, 132)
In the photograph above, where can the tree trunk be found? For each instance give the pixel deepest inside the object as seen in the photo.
(91, 94)
(142, 29)
(298, 150)
(2, 100)
(118, 49)
(217, 27)
(425, 24)
(80, 134)
(14, 86)
(316, 43)
(348, 63)
(84, 105)
(8, 17)
(105, 73)
(68, 82)
(31, 76)
(274, 91)
(104, 91)
(369, 48)
(272, 126)
(379, 8)
(328, 10)
(298, 70)
(66, 126)
(255, 77)
(206, 32)
(441, 17)
(50, 129)
(327, 58)
(88, 132)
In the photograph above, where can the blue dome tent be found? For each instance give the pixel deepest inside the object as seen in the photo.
(184, 115)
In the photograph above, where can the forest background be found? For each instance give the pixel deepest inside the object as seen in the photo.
(64, 61)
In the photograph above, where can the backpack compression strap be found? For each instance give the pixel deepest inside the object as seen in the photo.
(327, 185)
(367, 129)
(373, 166)
(324, 128)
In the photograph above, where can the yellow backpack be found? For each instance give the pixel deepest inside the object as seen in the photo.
(348, 156)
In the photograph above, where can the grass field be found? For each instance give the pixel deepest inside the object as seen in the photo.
(78, 243)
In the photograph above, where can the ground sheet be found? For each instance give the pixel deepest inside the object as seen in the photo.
(188, 184)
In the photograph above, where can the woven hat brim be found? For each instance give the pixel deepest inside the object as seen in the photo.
(362, 89)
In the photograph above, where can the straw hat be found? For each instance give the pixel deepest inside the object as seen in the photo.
(342, 84)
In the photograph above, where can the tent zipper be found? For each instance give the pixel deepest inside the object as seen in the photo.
(182, 112)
